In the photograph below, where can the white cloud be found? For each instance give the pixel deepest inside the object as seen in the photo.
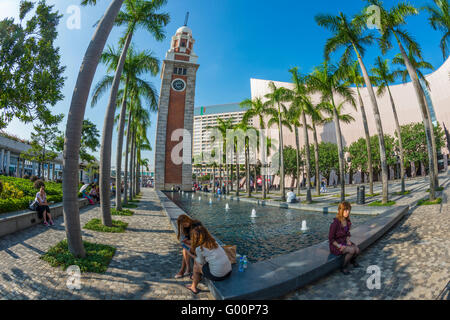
(9, 9)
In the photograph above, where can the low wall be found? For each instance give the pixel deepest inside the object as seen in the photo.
(16, 221)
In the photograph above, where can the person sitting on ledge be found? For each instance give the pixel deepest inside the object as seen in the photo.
(184, 226)
(291, 197)
(43, 207)
(211, 260)
(339, 237)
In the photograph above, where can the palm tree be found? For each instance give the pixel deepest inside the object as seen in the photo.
(136, 64)
(255, 108)
(222, 126)
(391, 26)
(419, 65)
(275, 107)
(440, 20)
(316, 120)
(352, 37)
(244, 128)
(327, 80)
(354, 77)
(383, 77)
(74, 126)
(293, 117)
(137, 13)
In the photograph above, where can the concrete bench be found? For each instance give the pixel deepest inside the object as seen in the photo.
(16, 221)
(273, 278)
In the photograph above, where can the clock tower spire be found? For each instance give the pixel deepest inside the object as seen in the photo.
(173, 148)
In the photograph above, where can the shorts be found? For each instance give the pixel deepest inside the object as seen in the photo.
(207, 273)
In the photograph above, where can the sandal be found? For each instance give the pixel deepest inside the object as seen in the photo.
(190, 289)
(179, 276)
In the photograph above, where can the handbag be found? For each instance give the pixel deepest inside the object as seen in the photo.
(33, 205)
(231, 252)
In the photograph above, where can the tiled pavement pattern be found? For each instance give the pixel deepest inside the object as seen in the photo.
(413, 257)
(148, 256)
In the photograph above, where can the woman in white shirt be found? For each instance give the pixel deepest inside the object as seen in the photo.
(210, 258)
(43, 208)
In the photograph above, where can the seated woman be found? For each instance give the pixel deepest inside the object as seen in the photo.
(42, 208)
(84, 193)
(210, 258)
(94, 194)
(184, 226)
(339, 237)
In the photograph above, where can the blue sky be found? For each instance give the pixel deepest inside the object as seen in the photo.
(235, 40)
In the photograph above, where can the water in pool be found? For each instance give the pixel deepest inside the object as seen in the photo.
(262, 234)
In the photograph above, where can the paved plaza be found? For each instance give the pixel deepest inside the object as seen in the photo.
(147, 258)
(413, 258)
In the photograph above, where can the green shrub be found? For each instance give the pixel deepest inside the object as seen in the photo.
(379, 204)
(1, 187)
(98, 257)
(27, 177)
(123, 212)
(437, 189)
(33, 178)
(11, 204)
(427, 202)
(96, 225)
(130, 206)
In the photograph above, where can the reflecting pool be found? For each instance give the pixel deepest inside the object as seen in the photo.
(268, 232)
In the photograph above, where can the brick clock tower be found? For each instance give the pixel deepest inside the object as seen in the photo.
(176, 111)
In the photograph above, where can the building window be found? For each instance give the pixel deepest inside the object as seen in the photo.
(183, 43)
(180, 71)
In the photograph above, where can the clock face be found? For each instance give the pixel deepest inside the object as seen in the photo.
(178, 85)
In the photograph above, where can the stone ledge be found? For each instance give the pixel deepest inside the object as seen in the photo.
(278, 276)
(17, 221)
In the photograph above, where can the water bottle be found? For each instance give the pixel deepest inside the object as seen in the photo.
(245, 261)
(241, 264)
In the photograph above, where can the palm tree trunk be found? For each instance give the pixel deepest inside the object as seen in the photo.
(316, 158)
(74, 126)
(237, 174)
(308, 159)
(105, 150)
(255, 182)
(247, 172)
(297, 143)
(423, 108)
(130, 196)
(280, 126)
(400, 142)
(376, 113)
(340, 151)
(119, 148)
(367, 134)
(125, 177)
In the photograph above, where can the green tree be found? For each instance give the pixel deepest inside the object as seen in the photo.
(136, 65)
(354, 77)
(137, 14)
(415, 145)
(74, 126)
(383, 77)
(352, 37)
(328, 160)
(328, 80)
(275, 108)
(42, 139)
(440, 20)
(392, 22)
(31, 75)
